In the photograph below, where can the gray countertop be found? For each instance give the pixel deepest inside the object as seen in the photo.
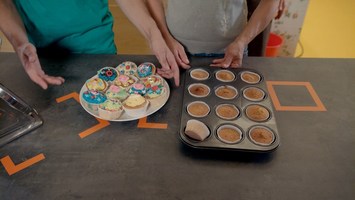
(315, 159)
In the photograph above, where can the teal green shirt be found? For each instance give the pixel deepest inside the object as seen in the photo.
(80, 26)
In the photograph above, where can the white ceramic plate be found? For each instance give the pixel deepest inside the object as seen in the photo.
(154, 105)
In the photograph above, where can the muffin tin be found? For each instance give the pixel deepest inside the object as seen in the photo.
(238, 123)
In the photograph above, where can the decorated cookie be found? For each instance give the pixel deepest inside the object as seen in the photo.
(146, 69)
(93, 99)
(107, 74)
(154, 86)
(117, 93)
(96, 84)
(125, 81)
(127, 68)
(138, 88)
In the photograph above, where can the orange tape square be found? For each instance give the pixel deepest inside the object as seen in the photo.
(318, 107)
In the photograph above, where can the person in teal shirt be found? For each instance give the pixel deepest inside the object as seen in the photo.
(76, 26)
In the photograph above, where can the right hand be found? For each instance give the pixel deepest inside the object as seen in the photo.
(169, 68)
(179, 52)
(29, 59)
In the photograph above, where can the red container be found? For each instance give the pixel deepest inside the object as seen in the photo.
(273, 45)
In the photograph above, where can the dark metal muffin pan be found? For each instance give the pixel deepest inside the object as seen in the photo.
(213, 122)
(16, 116)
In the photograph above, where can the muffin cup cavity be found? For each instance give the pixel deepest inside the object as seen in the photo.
(229, 134)
(226, 92)
(261, 135)
(199, 90)
(250, 77)
(253, 94)
(198, 109)
(257, 113)
(199, 74)
(227, 111)
(225, 76)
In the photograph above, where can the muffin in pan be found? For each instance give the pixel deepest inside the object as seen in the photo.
(199, 90)
(250, 77)
(257, 113)
(225, 76)
(198, 109)
(229, 134)
(261, 135)
(227, 111)
(199, 74)
(253, 94)
(226, 92)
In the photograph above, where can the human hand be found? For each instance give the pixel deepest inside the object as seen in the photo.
(179, 52)
(29, 59)
(232, 58)
(169, 68)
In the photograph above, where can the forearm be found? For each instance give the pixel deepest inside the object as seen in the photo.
(11, 24)
(259, 20)
(156, 8)
(138, 14)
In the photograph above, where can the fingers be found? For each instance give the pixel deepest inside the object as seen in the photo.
(227, 62)
(32, 66)
(54, 80)
(176, 75)
(182, 59)
(38, 80)
(169, 68)
(236, 64)
(224, 62)
(166, 73)
(42, 79)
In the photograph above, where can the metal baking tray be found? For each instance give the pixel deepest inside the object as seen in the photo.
(16, 116)
(213, 122)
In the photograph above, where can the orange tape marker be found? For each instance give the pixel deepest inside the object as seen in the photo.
(89, 131)
(319, 105)
(142, 123)
(73, 95)
(11, 168)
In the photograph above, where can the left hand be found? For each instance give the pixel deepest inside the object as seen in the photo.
(169, 67)
(233, 56)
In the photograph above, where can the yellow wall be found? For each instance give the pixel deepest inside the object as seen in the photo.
(329, 29)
